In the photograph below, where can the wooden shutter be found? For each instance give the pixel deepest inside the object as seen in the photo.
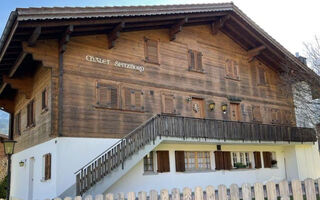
(179, 157)
(262, 76)
(229, 68)
(151, 51)
(257, 159)
(163, 161)
(17, 124)
(107, 95)
(133, 99)
(168, 104)
(275, 115)
(199, 61)
(227, 160)
(192, 60)
(47, 169)
(218, 156)
(267, 157)
(235, 72)
(30, 113)
(256, 114)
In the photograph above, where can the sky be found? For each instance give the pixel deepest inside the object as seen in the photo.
(289, 22)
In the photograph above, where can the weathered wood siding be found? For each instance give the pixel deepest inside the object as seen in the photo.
(83, 117)
(41, 131)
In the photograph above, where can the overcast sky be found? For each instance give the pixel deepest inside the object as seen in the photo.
(290, 22)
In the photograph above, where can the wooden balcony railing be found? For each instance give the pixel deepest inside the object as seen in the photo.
(184, 127)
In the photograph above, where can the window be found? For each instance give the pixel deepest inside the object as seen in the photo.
(257, 159)
(151, 51)
(148, 162)
(163, 161)
(180, 161)
(262, 76)
(195, 60)
(30, 114)
(47, 167)
(133, 99)
(17, 124)
(44, 100)
(168, 104)
(275, 116)
(287, 117)
(232, 69)
(197, 160)
(269, 159)
(223, 160)
(256, 114)
(241, 160)
(107, 95)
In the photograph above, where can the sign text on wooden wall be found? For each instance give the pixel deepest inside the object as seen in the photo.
(115, 63)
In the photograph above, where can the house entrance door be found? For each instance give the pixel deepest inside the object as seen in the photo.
(31, 178)
(197, 108)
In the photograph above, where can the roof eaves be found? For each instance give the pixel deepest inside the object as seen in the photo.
(7, 29)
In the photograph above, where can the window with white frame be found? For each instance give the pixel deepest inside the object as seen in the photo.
(148, 162)
(241, 160)
(197, 160)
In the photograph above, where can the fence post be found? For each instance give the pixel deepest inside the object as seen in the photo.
(67, 198)
(234, 192)
(164, 194)
(258, 191)
(210, 193)
(109, 196)
(246, 191)
(271, 191)
(296, 190)
(175, 193)
(284, 189)
(142, 195)
(310, 189)
(98, 197)
(78, 198)
(120, 196)
(222, 192)
(153, 195)
(187, 194)
(89, 197)
(198, 193)
(131, 196)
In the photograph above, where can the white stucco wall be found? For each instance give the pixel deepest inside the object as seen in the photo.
(136, 181)
(68, 155)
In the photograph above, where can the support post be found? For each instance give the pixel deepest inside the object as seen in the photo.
(176, 28)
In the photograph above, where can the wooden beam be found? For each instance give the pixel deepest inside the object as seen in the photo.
(4, 49)
(216, 26)
(7, 105)
(65, 39)
(255, 52)
(23, 85)
(176, 28)
(17, 63)
(34, 36)
(114, 34)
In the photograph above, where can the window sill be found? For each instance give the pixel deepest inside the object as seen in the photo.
(243, 169)
(150, 62)
(198, 171)
(44, 110)
(44, 180)
(117, 109)
(197, 71)
(30, 126)
(231, 78)
(149, 173)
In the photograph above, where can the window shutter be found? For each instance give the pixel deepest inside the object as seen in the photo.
(273, 115)
(47, 174)
(191, 60)
(235, 70)
(163, 161)
(267, 159)
(262, 76)
(107, 95)
(168, 104)
(103, 96)
(257, 159)
(133, 99)
(227, 160)
(228, 68)
(180, 165)
(114, 97)
(151, 51)
(219, 160)
(18, 124)
(127, 98)
(256, 114)
(199, 61)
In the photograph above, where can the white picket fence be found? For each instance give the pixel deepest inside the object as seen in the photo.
(298, 190)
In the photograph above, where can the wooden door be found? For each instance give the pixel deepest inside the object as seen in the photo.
(235, 111)
(197, 108)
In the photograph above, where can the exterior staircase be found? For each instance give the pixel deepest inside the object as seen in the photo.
(108, 167)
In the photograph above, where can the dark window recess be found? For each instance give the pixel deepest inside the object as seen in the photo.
(47, 166)
(133, 99)
(168, 104)
(195, 61)
(257, 159)
(180, 162)
(17, 124)
(30, 114)
(262, 76)
(223, 160)
(256, 114)
(148, 162)
(151, 51)
(267, 159)
(44, 99)
(107, 95)
(163, 161)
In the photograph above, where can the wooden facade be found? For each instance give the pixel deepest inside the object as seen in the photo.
(105, 85)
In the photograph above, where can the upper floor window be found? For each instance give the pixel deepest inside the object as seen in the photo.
(107, 95)
(151, 51)
(30, 114)
(44, 99)
(133, 99)
(262, 76)
(195, 60)
(256, 114)
(275, 116)
(17, 124)
(47, 167)
(168, 104)
(148, 162)
(232, 69)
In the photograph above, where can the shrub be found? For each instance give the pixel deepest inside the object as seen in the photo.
(3, 188)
